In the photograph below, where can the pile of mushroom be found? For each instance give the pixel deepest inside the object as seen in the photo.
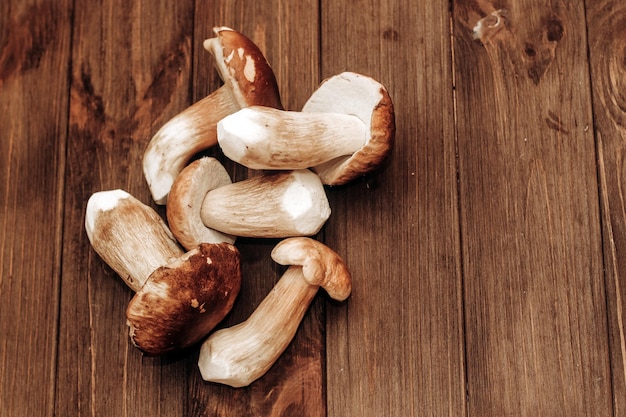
(186, 272)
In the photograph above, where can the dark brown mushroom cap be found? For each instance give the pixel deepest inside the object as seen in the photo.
(243, 67)
(183, 301)
(366, 98)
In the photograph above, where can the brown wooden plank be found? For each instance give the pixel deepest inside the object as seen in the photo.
(396, 347)
(606, 25)
(287, 33)
(131, 64)
(34, 52)
(533, 280)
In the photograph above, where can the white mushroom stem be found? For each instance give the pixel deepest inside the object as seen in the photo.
(266, 138)
(241, 354)
(280, 204)
(129, 236)
(188, 133)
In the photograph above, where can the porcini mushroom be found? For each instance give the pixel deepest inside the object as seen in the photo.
(185, 202)
(345, 130)
(180, 297)
(239, 355)
(270, 204)
(248, 80)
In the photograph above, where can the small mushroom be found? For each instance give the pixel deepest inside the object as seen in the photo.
(185, 202)
(180, 297)
(248, 80)
(345, 130)
(270, 204)
(239, 355)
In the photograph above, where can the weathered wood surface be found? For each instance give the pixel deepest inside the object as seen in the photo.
(535, 316)
(487, 255)
(34, 62)
(607, 53)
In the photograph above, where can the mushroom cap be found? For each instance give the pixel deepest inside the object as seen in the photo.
(366, 98)
(321, 265)
(185, 202)
(243, 67)
(183, 301)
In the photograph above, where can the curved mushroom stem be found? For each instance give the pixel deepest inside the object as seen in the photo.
(129, 236)
(266, 138)
(178, 140)
(248, 80)
(279, 204)
(241, 354)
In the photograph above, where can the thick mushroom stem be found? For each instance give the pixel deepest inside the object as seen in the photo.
(183, 136)
(273, 205)
(266, 138)
(129, 236)
(239, 355)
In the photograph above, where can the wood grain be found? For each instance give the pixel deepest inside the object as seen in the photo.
(34, 61)
(607, 52)
(487, 254)
(532, 254)
(130, 73)
(396, 346)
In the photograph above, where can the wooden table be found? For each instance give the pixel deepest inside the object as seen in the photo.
(488, 255)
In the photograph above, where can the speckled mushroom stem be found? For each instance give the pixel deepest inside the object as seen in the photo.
(129, 236)
(239, 355)
(273, 205)
(266, 138)
(183, 136)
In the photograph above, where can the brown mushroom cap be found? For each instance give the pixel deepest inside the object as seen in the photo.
(321, 265)
(243, 67)
(366, 98)
(183, 301)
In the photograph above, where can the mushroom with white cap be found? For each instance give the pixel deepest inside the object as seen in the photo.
(345, 130)
(239, 355)
(180, 297)
(270, 204)
(248, 80)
